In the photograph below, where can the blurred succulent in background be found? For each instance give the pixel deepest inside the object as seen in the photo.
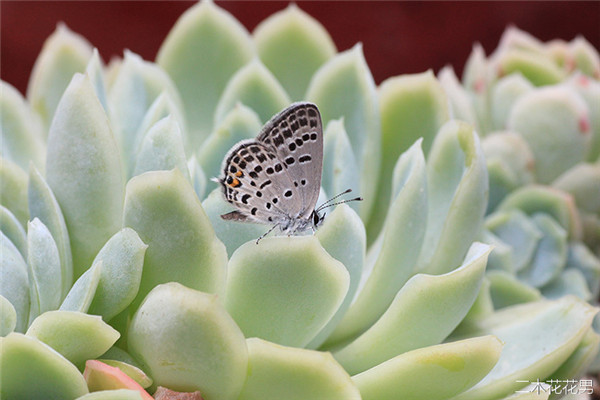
(115, 260)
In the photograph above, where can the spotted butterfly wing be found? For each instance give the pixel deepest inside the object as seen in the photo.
(276, 177)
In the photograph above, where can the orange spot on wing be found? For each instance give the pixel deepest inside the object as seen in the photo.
(238, 174)
(235, 183)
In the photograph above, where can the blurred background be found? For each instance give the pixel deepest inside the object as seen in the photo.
(398, 37)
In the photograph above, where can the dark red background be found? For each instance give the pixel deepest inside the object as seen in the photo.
(398, 37)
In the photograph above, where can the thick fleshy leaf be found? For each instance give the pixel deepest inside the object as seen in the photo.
(503, 96)
(478, 77)
(515, 229)
(14, 285)
(163, 106)
(197, 177)
(551, 253)
(43, 205)
(457, 191)
(136, 87)
(162, 207)
(582, 259)
(130, 370)
(502, 256)
(585, 57)
(578, 362)
(510, 164)
(21, 132)
(100, 376)
(55, 377)
(506, 290)
(537, 68)
(44, 270)
(340, 170)
(589, 89)
(75, 335)
(115, 394)
(95, 71)
(555, 123)
(402, 234)
(64, 53)
(83, 290)
(14, 231)
(122, 258)
(84, 171)
(201, 53)
(432, 373)
(296, 269)
(570, 282)
(413, 320)
(583, 183)
(538, 338)
(277, 372)
(8, 317)
(256, 87)
(559, 205)
(460, 104)
(344, 87)
(13, 190)
(187, 342)
(162, 149)
(232, 233)
(343, 236)
(293, 45)
(239, 124)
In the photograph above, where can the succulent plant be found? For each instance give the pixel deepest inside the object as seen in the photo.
(118, 273)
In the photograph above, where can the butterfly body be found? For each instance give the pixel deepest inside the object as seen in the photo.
(275, 178)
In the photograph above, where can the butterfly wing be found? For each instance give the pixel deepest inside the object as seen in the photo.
(296, 137)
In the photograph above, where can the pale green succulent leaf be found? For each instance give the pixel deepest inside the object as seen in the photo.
(506, 290)
(114, 394)
(186, 341)
(296, 269)
(197, 177)
(413, 320)
(293, 45)
(21, 132)
(340, 170)
(457, 183)
(504, 93)
(532, 199)
(514, 38)
(344, 87)
(44, 206)
(343, 236)
(8, 317)
(116, 354)
(240, 123)
(501, 258)
(571, 281)
(13, 190)
(95, 71)
(402, 234)
(162, 149)
(483, 305)
(83, 290)
(122, 258)
(554, 121)
(131, 370)
(233, 234)
(276, 372)
(578, 362)
(517, 230)
(55, 376)
(589, 89)
(551, 253)
(583, 183)
(539, 69)
(134, 94)
(581, 258)
(203, 50)
(84, 171)
(510, 164)
(478, 77)
(75, 335)
(64, 54)
(585, 57)
(254, 86)
(14, 285)
(162, 207)
(460, 102)
(14, 231)
(433, 373)
(538, 336)
(44, 270)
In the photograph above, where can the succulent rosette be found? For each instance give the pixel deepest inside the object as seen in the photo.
(119, 276)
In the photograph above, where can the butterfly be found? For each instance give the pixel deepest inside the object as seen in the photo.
(275, 178)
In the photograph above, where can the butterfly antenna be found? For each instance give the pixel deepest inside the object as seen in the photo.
(265, 234)
(324, 205)
(340, 202)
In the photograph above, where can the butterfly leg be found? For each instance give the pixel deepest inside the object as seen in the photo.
(266, 233)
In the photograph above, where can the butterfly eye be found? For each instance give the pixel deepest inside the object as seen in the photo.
(316, 218)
